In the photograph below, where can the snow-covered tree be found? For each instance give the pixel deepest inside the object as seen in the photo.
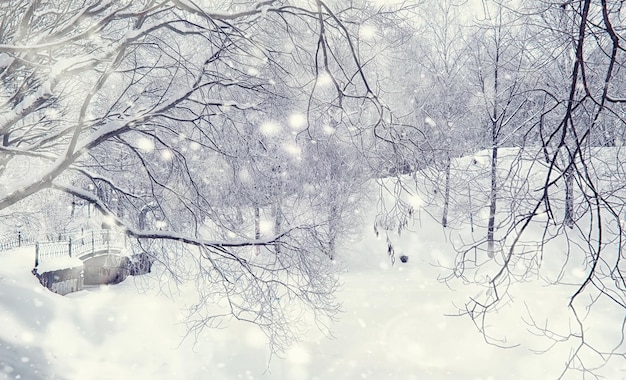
(163, 116)
(573, 53)
(544, 83)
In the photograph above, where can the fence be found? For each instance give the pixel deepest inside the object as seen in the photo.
(11, 241)
(52, 250)
(89, 242)
(80, 244)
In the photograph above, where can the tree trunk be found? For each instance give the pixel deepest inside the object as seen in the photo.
(257, 227)
(277, 224)
(333, 210)
(568, 218)
(446, 195)
(4, 157)
(332, 230)
(494, 159)
(493, 202)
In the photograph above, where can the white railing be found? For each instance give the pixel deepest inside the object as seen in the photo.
(11, 241)
(51, 250)
(89, 242)
(80, 244)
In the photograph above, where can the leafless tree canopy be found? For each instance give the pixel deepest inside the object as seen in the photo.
(189, 123)
(172, 118)
(534, 91)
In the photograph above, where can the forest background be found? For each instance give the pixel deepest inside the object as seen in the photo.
(233, 141)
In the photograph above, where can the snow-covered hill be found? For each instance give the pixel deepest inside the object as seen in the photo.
(395, 324)
(393, 327)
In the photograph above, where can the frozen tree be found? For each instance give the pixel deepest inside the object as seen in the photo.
(578, 54)
(500, 63)
(444, 108)
(594, 104)
(545, 78)
(164, 116)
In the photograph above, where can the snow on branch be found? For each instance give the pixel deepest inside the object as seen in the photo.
(165, 235)
(188, 5)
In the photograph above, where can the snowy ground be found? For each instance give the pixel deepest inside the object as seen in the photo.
(393, 326)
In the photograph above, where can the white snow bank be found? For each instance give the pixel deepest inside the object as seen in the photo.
(394, 325)
(58, 263)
